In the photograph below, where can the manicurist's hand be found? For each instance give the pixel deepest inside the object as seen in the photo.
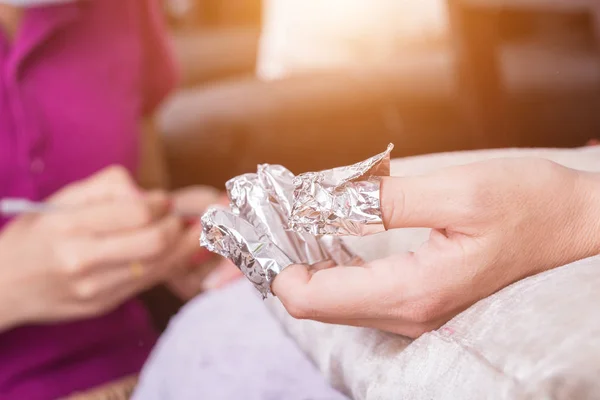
(107, 243)
(198, 270)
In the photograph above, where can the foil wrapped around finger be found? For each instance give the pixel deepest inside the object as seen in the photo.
(232, 237)
(261, 200)
(267, 228)
(343, 201)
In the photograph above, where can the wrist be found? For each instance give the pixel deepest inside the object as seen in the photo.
(7, 322)
(588, 191)
(9, 314)
(11, 307)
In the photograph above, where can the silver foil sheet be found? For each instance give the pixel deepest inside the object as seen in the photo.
(342, 201)
(278, 219)
(232, 237)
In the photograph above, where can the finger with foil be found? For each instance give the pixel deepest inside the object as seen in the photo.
(232, 237)
(268, 226)
(261, 200)
(343, 201)
(250, 201)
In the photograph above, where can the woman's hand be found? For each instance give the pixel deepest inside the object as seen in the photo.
(198, 269)
(493, 223)
(110, 243)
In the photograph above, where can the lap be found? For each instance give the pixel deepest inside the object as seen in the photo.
(226, 345)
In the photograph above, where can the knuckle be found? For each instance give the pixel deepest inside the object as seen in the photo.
(57, 224)
(119, 177)
(71, 266)
(158, 240)
(393, 204)
(70, 188)
(298, 312)
(547, 173)
(85, 291)
(65, 194)
(480, 196)
(298, 307)
(141, 215)
(69, 261)
(396, 209)
(520, 177)
(417, 330)
(117, 172)
(423, 313)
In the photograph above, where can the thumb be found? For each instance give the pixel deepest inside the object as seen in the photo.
(113, 182)
(343, 291)
(429, 201)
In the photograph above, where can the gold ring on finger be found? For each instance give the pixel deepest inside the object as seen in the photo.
(137, 269)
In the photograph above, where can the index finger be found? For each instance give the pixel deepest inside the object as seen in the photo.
(110, 183)
(118, 215)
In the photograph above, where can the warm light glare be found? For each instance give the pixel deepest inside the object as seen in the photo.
(369, 17)
(322, 34)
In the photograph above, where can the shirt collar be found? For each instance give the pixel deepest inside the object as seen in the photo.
(38, 25)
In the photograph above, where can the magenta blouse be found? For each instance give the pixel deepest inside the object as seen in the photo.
(74, 85)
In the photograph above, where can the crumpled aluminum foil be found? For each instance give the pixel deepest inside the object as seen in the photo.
(271, 224)
(230, 236)
(343, 201)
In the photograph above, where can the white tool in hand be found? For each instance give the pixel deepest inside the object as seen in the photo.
(10, 207)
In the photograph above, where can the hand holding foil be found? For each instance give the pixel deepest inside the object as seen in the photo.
(491, 224)
(277, 219)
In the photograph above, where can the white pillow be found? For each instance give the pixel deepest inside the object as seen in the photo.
(308, 35)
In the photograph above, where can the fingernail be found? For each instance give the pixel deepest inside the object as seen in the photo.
(201, 256)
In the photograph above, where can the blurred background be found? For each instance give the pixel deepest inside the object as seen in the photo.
(314, 84)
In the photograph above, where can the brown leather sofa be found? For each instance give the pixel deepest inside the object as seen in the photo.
(312, 122)
(529, 70)
(220, 130)
(225, 121)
